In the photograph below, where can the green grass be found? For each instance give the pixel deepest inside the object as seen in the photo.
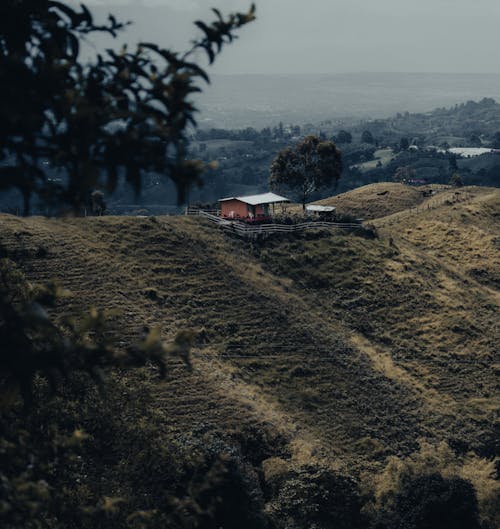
(384, 156)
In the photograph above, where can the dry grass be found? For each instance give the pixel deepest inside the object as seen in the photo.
(377, 200)
(439, 458)
(349, 349)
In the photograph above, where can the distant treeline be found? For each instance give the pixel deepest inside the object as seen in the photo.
(373, 151)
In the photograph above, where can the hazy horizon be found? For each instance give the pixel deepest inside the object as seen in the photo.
(305, 62)
(258, 100)
(325, 37)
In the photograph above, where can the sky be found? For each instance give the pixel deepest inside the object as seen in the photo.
(330, 36)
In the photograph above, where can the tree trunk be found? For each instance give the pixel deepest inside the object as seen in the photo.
(26, 204)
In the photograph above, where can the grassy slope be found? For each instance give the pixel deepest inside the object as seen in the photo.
(377, 200)
(422, 302)
(350, 349)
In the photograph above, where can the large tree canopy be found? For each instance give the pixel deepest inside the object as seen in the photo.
(124, 113)
(311, 165)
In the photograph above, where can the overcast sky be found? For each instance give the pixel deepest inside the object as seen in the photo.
(332, 36)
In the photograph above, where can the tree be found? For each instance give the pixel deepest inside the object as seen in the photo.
(84, 119)
(367, 137)
(428, 502)
(404, 144)
(404, 174)
(343, 137)
(311, 165)
(98, 202)
(124, 113)
(456, 180)
(475, 140)
(452, 163)
(495, 144)
(313, 496)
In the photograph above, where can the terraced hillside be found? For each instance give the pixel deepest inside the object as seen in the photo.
(336, 348)
(421, 301)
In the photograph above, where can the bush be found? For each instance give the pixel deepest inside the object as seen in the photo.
(316, 497)
(431, 459)
(433, 502)
(223, 492)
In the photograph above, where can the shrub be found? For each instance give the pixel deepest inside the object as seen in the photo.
(431, 459)
(223, 492)
(433, 502)
(316, 497)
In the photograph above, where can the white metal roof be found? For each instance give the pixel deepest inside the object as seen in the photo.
(254, 200)
(322, 209)
(470, 152)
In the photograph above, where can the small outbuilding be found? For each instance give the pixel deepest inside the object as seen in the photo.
(320, 210)
(250, 208)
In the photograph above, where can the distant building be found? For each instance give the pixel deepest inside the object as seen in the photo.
(470, 152)
(416, 182)
(320, 211)
(250, 208)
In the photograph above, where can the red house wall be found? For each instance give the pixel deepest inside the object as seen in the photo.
(239, 209)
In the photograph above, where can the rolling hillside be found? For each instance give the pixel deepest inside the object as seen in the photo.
(327, 347)
(378, 200)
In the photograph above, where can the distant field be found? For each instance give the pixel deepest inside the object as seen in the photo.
(384, 156)
(238, 101)
(469, 152)
(214, 145)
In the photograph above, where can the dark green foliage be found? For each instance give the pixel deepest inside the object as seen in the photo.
(456, 180)
(367, 137)
(115, 469)
(125, 113)
(431, 502)
(316, 497)
(403, 174)
(343, 137)
(475, 141)
(311, 165)
(98, 203)
(495, 144)
(226, 495)
(452, 163)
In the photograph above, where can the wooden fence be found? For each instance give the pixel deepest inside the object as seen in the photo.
(195, 210)
(255, 230)
(442, 199)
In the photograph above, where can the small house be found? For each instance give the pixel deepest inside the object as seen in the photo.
(250, 208)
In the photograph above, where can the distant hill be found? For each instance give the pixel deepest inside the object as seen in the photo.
(240, 101)
(377, 200)
(468, 124)
(326, 349)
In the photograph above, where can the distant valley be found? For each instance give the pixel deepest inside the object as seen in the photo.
(238, 101)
